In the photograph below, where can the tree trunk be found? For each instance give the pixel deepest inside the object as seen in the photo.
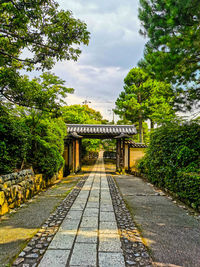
(152, 124)
(140, 119)
(140, 128)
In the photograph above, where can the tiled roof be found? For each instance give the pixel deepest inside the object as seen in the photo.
(115, 130)
(135, 145)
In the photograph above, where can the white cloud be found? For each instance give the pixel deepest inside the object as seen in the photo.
(115, 47)
(103, 83)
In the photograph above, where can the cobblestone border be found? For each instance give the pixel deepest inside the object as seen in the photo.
(135, 252)
(33, 252)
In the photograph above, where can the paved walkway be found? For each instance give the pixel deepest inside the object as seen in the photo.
(170, 232)
(77, 242)
(91, 227)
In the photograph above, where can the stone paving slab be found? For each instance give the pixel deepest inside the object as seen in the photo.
(111, 259)
(89, 222)
(55, 258)
(87, 235)
(106, 216)
(84, 254)
(63, 239)
(69, 224)
(91, 212)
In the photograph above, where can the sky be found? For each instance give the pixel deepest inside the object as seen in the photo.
(115, 47)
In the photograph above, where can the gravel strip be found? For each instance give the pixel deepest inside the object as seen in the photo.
(33, 252)
(135, 252)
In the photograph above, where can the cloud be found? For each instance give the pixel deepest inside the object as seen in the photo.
(115, 47)
(91, 81)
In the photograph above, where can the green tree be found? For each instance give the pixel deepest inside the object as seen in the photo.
(81, 114)
(173, 50)
(144, 98)
(46, 93)
(34, 35)
(46, 31)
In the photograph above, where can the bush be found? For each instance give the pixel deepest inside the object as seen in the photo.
(47, 146)
(14, 143)
(31, 140)
(188, 188)
(173, 154)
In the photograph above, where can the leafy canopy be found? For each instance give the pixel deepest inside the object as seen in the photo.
(34, 35)
(41, 30)
(81, 114)
(145, 98)
(45, 93)
(173, 50)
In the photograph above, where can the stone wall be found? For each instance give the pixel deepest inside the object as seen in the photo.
(16, 188)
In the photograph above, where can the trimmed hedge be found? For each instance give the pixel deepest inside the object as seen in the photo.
(172, 161)
(188, 188)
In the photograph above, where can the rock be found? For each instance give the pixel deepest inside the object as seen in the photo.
(27, 249)
(22, 254)
(2, 198)
(18, 261)
(131, 262)
(4, 208)
(32, 255)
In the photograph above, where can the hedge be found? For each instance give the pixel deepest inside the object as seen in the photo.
(187, 187)
(172, 161)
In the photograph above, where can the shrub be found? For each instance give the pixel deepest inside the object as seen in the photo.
(173, 154)
(14, 143)
(188, 188)
(47, 146)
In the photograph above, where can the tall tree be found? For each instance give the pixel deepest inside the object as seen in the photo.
(40, 27)
(173, 51)
(34, 35)
(144, 98)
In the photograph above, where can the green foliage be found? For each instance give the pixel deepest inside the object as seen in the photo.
(47, 145)
(34, 35)
(172, 51)
(48, 32)
(81, 114)
(144, 98)
(109, 144)
(92, 145)
(187, 188)
(44, 93)
(14, 143)
(172, 156)
(33, 140)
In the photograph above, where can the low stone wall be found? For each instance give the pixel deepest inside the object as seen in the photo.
(16, 188)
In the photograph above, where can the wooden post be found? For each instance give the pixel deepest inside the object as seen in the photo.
(80, 153)
(128, 157)
(117, 155)
(74, 155)
(123, 154)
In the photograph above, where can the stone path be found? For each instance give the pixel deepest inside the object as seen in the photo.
(88, 231)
